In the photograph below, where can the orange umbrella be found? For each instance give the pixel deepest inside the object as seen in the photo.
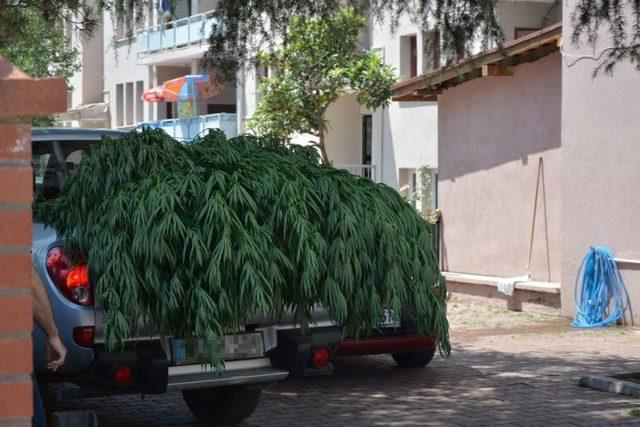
(153, 95)
(199, 86)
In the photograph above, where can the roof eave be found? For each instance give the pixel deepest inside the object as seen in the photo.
(525, 49)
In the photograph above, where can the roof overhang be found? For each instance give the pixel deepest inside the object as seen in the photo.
(495, 62)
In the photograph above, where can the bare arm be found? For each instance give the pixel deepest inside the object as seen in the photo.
(42, 313)
(43, 316)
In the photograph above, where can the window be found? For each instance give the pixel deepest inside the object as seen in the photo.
(409, 56)
(221, 108)
(181, 9)
(366, 139)
(53, 162)
(418, 186)
(68, 28)
(129, 103)
(521, 32)
(139, 102)
(261, 72)
(413, 56)
(119, 105)
(430, 51)
(119, 29)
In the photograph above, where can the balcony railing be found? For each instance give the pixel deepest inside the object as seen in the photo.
(187, 129)
(367, 171)
(184, 32)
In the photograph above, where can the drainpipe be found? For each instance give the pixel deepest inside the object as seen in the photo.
(240, 100)
(381, 178)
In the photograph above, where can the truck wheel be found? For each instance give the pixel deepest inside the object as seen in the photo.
(220, 405)
(414, 359)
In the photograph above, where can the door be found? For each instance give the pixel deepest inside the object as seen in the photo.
(366, 146)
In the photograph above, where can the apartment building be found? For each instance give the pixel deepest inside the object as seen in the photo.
(398, 144)
(390, 145)
(85, 102)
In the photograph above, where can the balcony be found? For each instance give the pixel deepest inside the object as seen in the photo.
(185, 32)
(367, 171)
(187, 129)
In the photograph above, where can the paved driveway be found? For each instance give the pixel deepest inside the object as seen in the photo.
(519, 379)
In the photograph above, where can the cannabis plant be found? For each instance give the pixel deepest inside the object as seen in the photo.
(196, 237)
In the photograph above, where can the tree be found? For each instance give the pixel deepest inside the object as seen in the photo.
(319, 61)
(16, 17)
(242, 25)
(42, 51)
(620, 20)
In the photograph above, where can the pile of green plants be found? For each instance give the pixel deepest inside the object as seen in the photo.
(197, 236)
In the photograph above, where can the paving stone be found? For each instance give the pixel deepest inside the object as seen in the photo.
(521, 379)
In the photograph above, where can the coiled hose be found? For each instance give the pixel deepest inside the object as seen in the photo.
(603, 297)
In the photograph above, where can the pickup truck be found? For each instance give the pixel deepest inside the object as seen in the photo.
(267, 351)
(149, 364)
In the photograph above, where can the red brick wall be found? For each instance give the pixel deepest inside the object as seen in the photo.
(15, 280)
(20, 97)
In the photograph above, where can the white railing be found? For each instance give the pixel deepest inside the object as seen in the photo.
(367, 171)
(187, 129)
(194, 29)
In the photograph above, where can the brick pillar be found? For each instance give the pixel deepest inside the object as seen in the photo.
(21, 97)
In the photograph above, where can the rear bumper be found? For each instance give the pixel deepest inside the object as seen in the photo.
(153, 373)
(254, 371)
(384, 345)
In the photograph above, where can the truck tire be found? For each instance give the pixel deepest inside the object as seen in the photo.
(414, 359)
(222, 405)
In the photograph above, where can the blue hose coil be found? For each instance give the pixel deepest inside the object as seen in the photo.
(603, 297)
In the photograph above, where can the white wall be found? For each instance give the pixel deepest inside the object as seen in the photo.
(344, 136)
(526, 14)
(600, 174)
(120, 67)
(87, 82)
(405, 135)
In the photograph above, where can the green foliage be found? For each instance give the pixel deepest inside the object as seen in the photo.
(17, 17)
(616, 21)
(195, 237)
(42, 51)
(245, 26)
(319, 61)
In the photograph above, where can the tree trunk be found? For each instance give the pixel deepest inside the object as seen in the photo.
(323, 150)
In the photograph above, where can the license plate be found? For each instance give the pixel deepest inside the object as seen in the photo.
(229, 347)
(389, 321)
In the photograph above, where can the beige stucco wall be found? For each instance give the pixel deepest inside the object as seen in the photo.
(344, 134)
(491, 133)
(601, 173)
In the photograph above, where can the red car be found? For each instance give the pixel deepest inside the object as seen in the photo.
(304, 354)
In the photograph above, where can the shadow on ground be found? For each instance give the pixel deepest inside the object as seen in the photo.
(510, 381)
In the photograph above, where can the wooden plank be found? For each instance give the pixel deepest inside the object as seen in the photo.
(496, 70)
(420, 98)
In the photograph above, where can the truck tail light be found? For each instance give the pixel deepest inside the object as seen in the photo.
(123, 375)
(84, 336)
(320, 357)
(72, 280)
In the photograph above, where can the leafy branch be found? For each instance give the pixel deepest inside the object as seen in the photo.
(197, 237)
